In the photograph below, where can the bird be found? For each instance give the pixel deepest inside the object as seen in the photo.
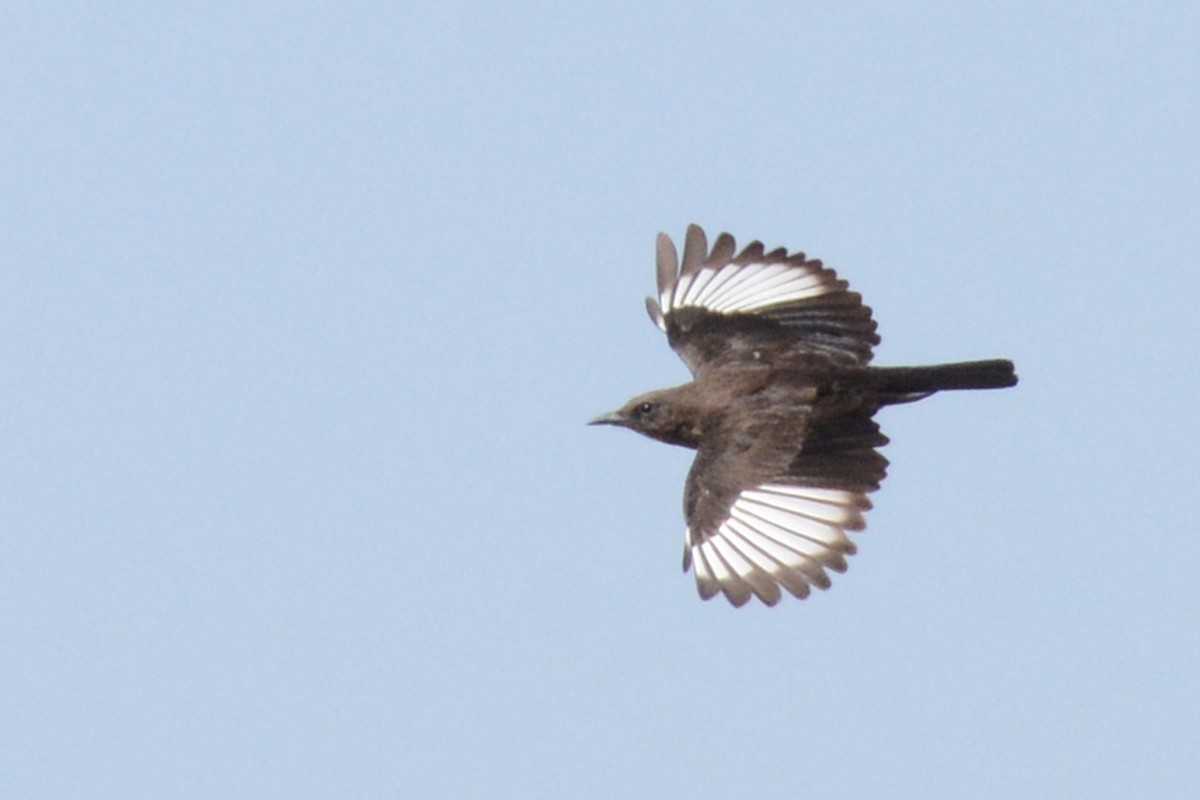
(780, 411)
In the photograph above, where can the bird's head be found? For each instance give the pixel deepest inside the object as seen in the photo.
(665, 415)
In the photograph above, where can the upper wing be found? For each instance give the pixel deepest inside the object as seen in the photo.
(719, 308)
(770, 499)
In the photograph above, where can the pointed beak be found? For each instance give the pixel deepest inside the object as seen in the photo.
(614, 418)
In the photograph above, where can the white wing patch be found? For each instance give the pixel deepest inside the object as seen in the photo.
(746, 288)
(778, 536)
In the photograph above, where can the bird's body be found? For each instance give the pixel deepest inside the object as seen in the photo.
(780, 411)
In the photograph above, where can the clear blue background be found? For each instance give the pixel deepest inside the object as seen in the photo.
(304, 308)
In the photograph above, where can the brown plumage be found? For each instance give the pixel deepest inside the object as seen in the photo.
(780, 412)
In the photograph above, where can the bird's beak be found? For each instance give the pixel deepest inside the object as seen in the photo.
(614, 418)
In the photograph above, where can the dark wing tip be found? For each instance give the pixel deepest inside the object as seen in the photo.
(695, 250)
(722, 251)
(751, 253)
(667, 261)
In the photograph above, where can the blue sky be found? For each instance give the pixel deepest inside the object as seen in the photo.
(305, 309)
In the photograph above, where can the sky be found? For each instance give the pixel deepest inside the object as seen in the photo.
(305, 307)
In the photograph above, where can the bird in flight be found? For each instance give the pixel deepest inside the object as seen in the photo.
(780, 412)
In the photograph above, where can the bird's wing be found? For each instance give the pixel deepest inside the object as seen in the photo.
(771, 497)
(718, 308)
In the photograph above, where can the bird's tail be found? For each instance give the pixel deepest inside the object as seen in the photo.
(905, 384)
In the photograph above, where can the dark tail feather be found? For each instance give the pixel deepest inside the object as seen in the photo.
(904, 384)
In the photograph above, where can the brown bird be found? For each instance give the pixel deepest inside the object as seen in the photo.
(780, 412)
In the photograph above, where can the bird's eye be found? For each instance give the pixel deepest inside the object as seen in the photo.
(644, 409)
